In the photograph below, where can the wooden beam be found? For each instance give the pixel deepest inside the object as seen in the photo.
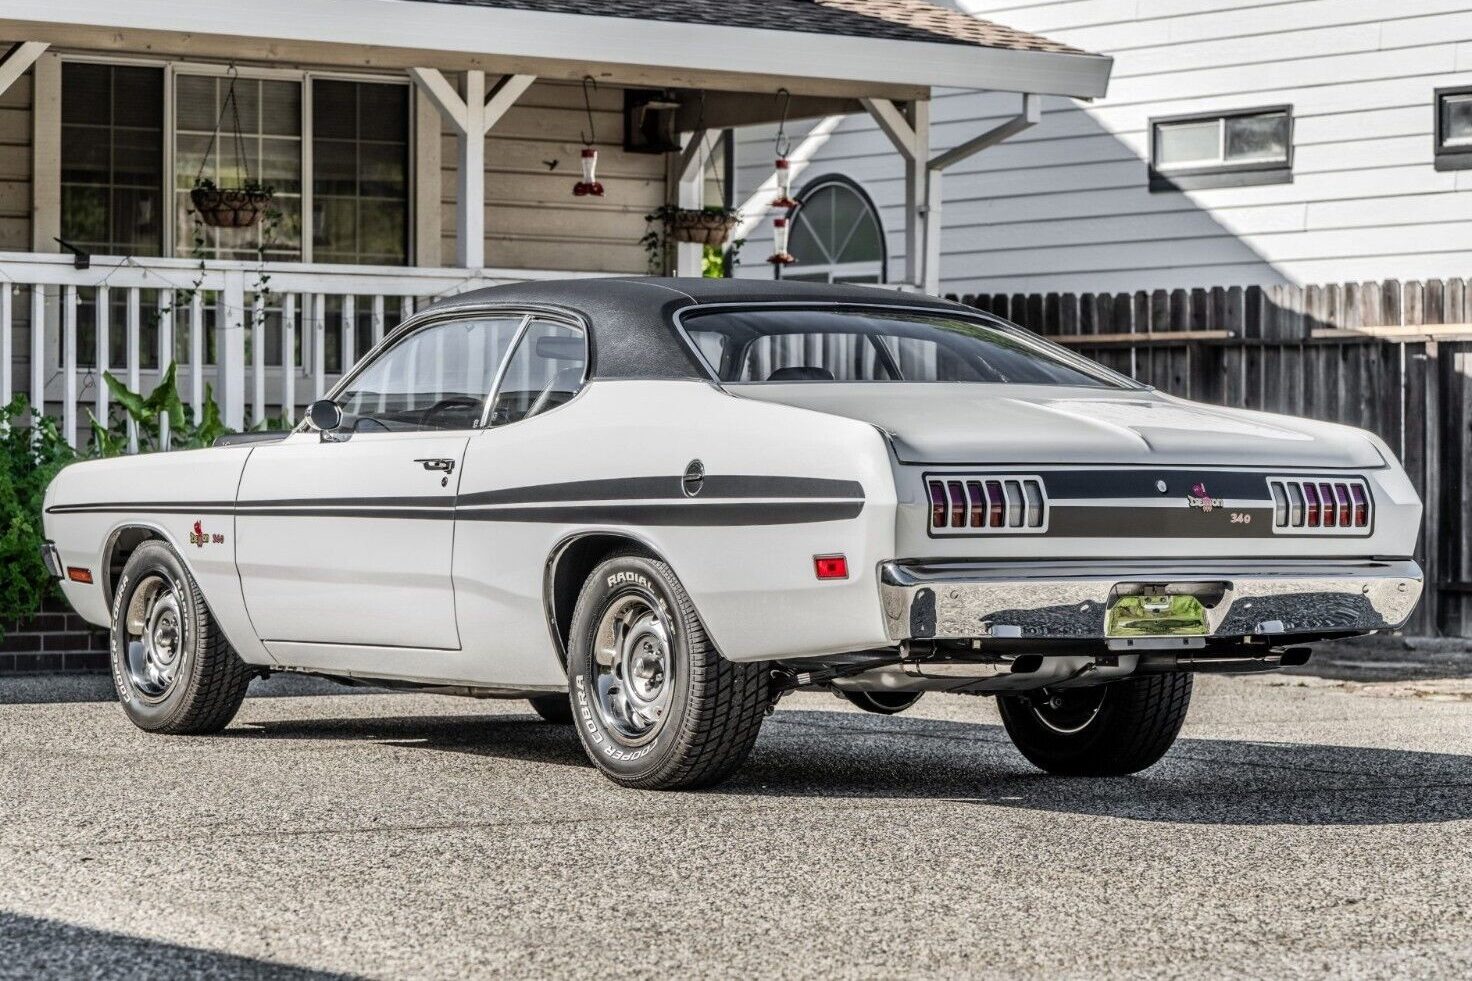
(503, 96)
(1031, 115)
(893, 124)
(18, 60)
(432, 82)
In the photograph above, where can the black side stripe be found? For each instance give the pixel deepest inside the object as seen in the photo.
(724, 501)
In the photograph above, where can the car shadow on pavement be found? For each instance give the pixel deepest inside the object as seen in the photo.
(525, 738)
(846, 755)
(1200, 781)
(36, 947)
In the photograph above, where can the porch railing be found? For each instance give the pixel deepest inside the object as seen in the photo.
(269, 337)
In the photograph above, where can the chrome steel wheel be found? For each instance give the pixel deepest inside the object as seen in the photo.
(1069, 710)
(633, 667)
(154, 633)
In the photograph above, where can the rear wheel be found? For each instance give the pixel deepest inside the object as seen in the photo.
(1101, 731)
(656, 705)
(882, 702)
(173, 669)
(555, 709)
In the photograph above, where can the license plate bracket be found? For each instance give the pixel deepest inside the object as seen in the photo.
(1144, 611)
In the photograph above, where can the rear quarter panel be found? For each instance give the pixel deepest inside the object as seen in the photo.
(90, 503)
(753, 583)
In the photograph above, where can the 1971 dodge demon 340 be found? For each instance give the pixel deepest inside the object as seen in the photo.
(653, 507)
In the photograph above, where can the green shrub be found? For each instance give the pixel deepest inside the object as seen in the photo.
(31, 452)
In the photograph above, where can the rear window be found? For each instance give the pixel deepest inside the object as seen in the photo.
(877, 345)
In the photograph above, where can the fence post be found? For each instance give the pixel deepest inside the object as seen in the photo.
(230, 349)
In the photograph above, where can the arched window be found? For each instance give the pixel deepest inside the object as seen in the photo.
(836, 234)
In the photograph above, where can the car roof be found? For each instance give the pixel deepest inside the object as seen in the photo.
(632, 319)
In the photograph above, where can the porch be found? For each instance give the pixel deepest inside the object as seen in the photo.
(416, 150)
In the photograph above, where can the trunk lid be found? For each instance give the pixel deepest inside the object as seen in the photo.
(974, 424)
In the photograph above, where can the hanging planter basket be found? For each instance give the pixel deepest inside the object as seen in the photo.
(702, 227)
(229, 207)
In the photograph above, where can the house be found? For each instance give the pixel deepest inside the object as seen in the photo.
(1240, 144)
(413, 148)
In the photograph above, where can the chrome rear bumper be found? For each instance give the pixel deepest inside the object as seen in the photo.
(1069, 601)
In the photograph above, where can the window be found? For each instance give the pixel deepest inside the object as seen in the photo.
(360, 172)
(1454, 129)
(339, 145)
(436, 377)
(877, 345)
(546, 371)
(1250, 146)
(836, 235)
(269, 150)
(112, 170)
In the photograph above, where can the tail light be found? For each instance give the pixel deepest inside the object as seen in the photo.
(1324, 506)
(982, 504)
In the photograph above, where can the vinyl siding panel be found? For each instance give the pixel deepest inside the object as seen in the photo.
(532, 219)
(1066, 206)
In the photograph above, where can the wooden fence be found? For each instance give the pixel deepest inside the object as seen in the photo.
(1391, 357)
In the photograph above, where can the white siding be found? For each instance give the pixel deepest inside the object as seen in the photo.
(1066, 206)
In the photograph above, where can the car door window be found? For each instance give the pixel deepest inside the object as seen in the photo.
(546, 370)
(435, 378)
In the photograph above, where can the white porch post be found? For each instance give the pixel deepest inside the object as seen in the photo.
(230, 349)
(470, 199)
(910, 133)
(690, 193)
(471, 118)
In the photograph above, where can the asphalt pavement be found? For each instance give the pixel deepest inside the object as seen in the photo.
(1302, 826)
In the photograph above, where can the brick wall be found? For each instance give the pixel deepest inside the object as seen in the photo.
(56, 640)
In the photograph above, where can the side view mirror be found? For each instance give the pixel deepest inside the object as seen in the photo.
(324, 416)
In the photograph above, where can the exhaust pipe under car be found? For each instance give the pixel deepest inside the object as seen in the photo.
(1292, 657)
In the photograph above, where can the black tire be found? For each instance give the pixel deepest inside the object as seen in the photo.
(882, 702)
(713, 707)
(209, 679)
(556, 709)
(1127, 726)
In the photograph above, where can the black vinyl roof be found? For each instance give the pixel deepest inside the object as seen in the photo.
(632, 320)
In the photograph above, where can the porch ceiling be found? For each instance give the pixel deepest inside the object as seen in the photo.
(897, 49)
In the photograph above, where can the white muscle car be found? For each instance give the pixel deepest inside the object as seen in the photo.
(653, 507)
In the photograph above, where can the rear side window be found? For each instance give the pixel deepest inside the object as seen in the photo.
(876, 345)
(546, 370)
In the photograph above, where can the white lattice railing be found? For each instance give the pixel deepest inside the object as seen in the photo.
(270, 337)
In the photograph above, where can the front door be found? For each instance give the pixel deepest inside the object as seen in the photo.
(348, 541)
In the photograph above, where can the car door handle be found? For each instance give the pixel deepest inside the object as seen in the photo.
(437, 463)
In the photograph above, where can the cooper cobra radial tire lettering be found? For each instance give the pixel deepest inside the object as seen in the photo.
(656, 706)
(555, 709)
(173, 670)
(1103, 731)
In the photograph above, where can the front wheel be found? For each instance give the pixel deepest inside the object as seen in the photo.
(173, 669)
(656, 705)
(1101, 731)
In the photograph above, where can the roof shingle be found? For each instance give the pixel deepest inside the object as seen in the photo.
(899, 20)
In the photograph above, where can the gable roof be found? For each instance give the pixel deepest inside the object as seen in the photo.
(895, 20)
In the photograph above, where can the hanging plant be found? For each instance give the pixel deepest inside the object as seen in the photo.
(233, 207)
(710, 227)
(237, 206)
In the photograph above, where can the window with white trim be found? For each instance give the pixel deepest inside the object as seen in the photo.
(1242, 147)
(334, 148)
(836, 234)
